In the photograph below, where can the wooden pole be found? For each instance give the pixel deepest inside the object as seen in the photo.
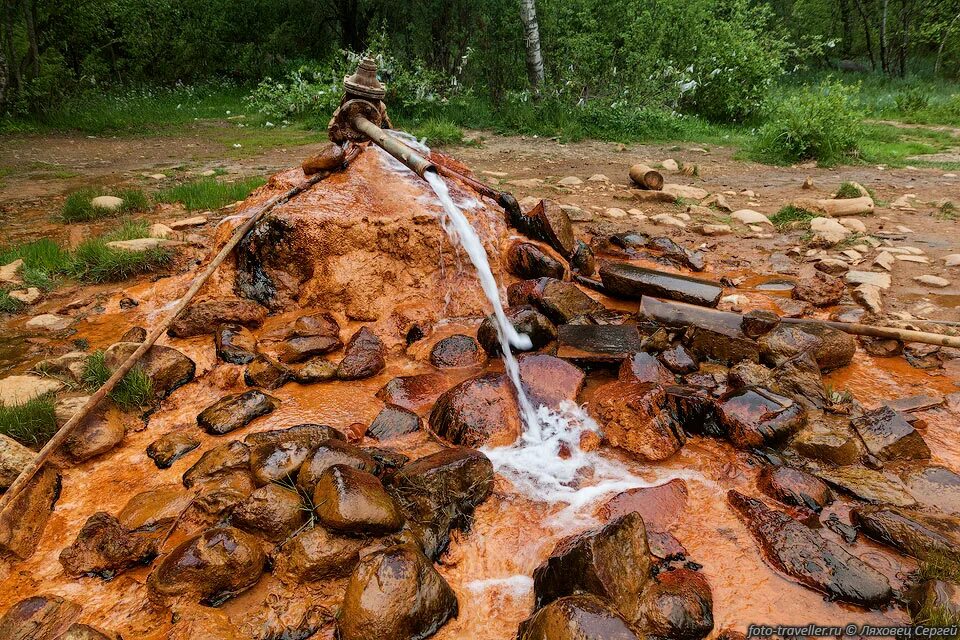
(54, 443)
(646, 178)
(905, 335)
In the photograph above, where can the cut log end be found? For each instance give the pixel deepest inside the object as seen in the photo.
(646, 177)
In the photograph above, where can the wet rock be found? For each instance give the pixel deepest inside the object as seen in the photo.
(679, 360)
(85, 632)
(317, 554)
(664, 546)
(154, 509)
(709, 334)
(235, 411)
(836, 348)
(38, 618)
(23, 521)
(393, 422)
(582, 261)
(395, 592)
(479, 410)
(526, 320)
(629, 281)
(104, 547)
(169, 448)
(352, 501)
(327, 454)
(316, 370)
(598, 343)
(527, 260)
(881, 347)
(21, 389)
(786, 342)
(758, 322)
(749, 374)
(417, 393)
(14, 458)
(212, 566)
(676, 604)
(167, 368)
(581, 617)
(934, 595)
(311, 335)
(69, 367)
(100, 432)
(456, 352)
(279, 454)
(330, 157)
(680, 256)
(49, 322)
(633, 417)
(217, 462)
(936, 487)
(363, 356)
(889, 436)
(820, 290)
(221, 493)
(564, 302)
(643, 367)
(549, 381)
(204, 317)
(921, 535)
(660, 506)
(829, 440)
(794, 487)
(235, 344)
(549, 223)
(439, 492)
(800, 379)
(756, 417)
(868, 485)
(272, 512)
(611, 562)
(267, 374)
(802, 554)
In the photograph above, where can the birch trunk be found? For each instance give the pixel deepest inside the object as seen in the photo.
(531, 38)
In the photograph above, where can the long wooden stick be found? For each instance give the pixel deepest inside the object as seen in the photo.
(906, 335)
(54, 443)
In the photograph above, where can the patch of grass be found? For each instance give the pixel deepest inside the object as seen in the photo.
(31, 423)
(848, 191)
(43, 262)
(131, 393)
(8, 304)
(78, 206)
(209, 193)
(938, 567)
(437, 133)
(128, 230)
(948, 211)
(789, 215)
(94, 261)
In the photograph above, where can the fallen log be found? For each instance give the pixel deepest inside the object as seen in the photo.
(836, 207)
(646, 178)
(629, 281)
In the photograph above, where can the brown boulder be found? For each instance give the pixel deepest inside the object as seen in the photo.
(272, 512)
(679, 360)
(327, 454)
(549, 223)
(393, 422)
(820, 290)
(921, 535)
(155, 508)
(634, 417)
(363, 356)
(38, 618)
(317, 554)
(643, 367)
(266, 373)
(836, 347)
(456, 352)
(235, 344)
(279, 453)
(204, 317)
(758, 322)
(417, 393)
(526, 320)
(528, 260)
(217, 462)
(167, 368)
(351, 501)
(829, 439)
(936, 487)
(236, 411)
(581, 617)
(889, 436)
(678, 605)
(562, 302)
(794, 487)
(97, 434)
(755, 417)
(548, 381)
(23, 521)
(171, 447)
(660, 506)
(478, 411)
(104, 547)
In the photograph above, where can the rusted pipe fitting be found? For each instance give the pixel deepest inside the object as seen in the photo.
(416, 162)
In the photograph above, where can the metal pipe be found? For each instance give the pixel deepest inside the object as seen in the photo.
(413, 160)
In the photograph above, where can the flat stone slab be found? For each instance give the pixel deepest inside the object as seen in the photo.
(872, 278)
(597, 343)
(140, 244)
(20, 389)
(49, 322)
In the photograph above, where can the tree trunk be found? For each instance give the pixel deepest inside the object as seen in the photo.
(531, 37)
(943, 42)
(846, 28)
(905, 14)
(4, 76)
(884, 63)
(866, 34)
(33, 53)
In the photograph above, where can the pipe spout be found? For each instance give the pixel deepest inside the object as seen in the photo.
(416, 162)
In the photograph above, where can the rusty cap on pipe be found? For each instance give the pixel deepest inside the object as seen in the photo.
(364, 81)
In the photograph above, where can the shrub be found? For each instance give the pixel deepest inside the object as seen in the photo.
(31, 423)
(912, 100)
(821, 123)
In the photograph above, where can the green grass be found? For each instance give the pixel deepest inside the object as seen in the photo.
(847, 191)
(8, 304)
(787, 216)
(948, 211)
(938, 568)
(438, 132)
(209, 193)
(78, 207)
(31, 423)
(132, 393)
(93, 261)
(43, 262)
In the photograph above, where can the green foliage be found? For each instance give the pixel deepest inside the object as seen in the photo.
(848, 191)
(948, 211)
(438, 133)
(792, 217)
(822, 123)
(43, 261)
(94, 261)
(209, 193)
(912, 100)
(79, 208)
(31, 423)
(131, 393)
(8, 304)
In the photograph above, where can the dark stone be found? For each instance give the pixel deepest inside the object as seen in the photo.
(526, 320)
(678, 605)
(935, 487)
(881, 347)
(794, 487)
(272, 512)
(39, 618)
(633, 416)
(266, 374)
(549, 223)
(363, 356)
(127, 302)
(235, 344)
(675, 254)
(277, 455)
(758, 322)
(479, 410)
(679, 360)
(327, 454)
(300, 349)
(581, 617)
(221, 493)
(348, 500)
(749, 374)
(315, 370)
(611, 562)
(439, 492)
(643, 367)
(99, 433)
(820, 290)
(582, 261)
(169, 448)
(867, 484)
(549, 381)
(527, 260)
(889, 436)
(598, 343)
(564, 302)
(800, 553)
(395, 592)
(388, 460)
(204, 317)
(709, 334)
(155, 509)
(23, 521)
(134, 334)
(829, 440)
(235, 411)
(836, 349)
(800, 379)
(456, 352)
(693, 409)
(786, 342)
(217, 462)
(317, 554)
(921, 535)
(660, 506)
(104, 547)
(417, 393)
(211, 567)
(393, 422)
(167, 368)
(629, 281)
(755, 417)
(911, 404)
